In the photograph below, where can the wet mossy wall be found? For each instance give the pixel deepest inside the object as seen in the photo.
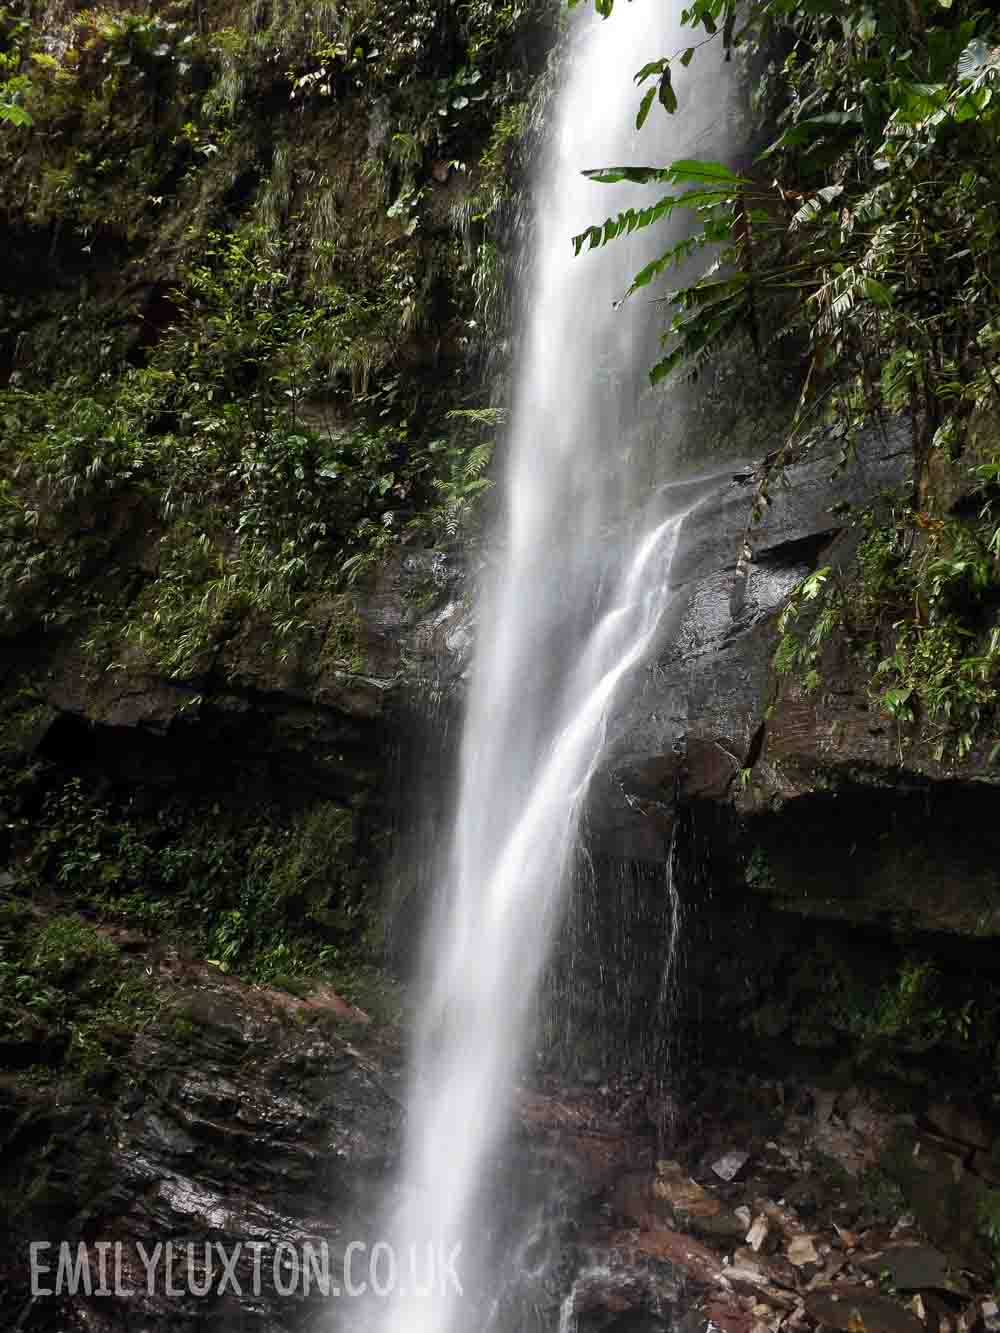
(253, 279)
(253, 286)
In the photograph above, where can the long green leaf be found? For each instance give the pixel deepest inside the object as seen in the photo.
(644, 105)
(668, 98)
(636, 219)
(649, 69)
(685, 169)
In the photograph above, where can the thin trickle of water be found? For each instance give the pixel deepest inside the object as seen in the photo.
(669, 975)
(574, 605)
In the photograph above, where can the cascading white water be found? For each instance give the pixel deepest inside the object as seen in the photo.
(569, 612)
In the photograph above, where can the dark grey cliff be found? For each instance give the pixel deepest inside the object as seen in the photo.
(697, 716)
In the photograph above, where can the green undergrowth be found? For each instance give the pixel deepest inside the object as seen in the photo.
(917, 608)
(68, 999)
(246, 370)
(284, 901)
(895, 1017)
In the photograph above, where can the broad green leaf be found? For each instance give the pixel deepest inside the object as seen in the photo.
(668, 98)
(877, 292)
(14, 114)
(644, 105)
(684, 169)
(649, 69)
(969, 106)
(918, 101)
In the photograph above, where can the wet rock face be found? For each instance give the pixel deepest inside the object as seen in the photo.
(318, 721)
(697, 716)
(245, 1127)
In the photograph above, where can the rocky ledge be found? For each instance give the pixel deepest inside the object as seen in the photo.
(240, 1125)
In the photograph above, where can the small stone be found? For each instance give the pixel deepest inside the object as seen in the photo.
(728, 1167)
(802, 1251)
(792, 1157)
(757, 1235)
(848, 1239)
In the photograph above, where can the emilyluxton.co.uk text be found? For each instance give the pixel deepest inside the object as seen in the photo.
(202, 1268)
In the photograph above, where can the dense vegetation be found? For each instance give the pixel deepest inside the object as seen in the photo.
(863, 238)
(252, 278)
(245, 252)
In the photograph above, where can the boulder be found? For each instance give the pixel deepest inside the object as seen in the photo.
(860, 1310)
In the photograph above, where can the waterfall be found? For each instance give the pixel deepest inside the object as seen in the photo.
(574, 604)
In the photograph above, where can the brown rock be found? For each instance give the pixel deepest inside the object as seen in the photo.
(685, 1196)
(692, 1207)
(754, 1275)
(757, 1235)
(698, 1260)
(915, 1268)
(849, 1240)
(984, 1165)
(802, 1251)
(961, 1123)
(859, 1310)
(728, 1315)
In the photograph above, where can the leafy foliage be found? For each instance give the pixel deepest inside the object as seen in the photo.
(271, 400)
(65, 990)
(865, 235)
(286, 897)
(919, 611)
